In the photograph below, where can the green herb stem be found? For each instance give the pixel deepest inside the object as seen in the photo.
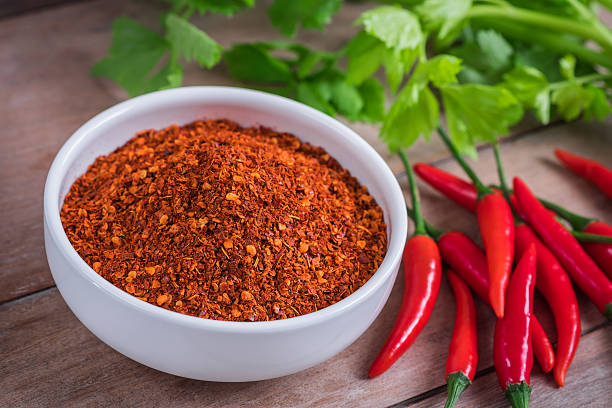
(542, 20)
(482, 189)
(551, 41)
(419, 227)
(580, 80)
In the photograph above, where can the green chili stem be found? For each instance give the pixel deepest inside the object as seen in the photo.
(431, 230)
(587, 237)
(457, 383)
(482, 189)
(542, 20)
(578, 222)
(419, 227)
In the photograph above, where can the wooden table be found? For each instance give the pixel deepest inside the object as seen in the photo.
(48, 358)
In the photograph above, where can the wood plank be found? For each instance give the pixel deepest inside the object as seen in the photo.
(590, 383)
(12, 7)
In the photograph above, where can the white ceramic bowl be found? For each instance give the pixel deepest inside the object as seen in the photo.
(208, 349)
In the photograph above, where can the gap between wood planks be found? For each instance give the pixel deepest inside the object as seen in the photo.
(480, 373)
(11, 8)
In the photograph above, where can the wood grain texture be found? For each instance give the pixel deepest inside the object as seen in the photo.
(13, 7)
(48, 358)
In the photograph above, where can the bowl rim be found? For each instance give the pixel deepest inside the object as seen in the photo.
(56, 232)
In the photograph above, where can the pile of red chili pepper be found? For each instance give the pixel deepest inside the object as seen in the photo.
(526, 246)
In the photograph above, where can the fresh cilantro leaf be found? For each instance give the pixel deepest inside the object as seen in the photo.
(132, 57)
(478, 113)
(571, 99)
(373, 97)
(542, 106)
(253, 63)
(530, 87)
(398, 28)
(439, 70)
(190, 42)
(414, 112)
(394, 68)
(444, 16)
(227, 7)
(525, 83)
(599, 108)
(495, 47)
(286, 15)
(365, 54)
(346, 98)
(485, 57)
(310, 94)
(567, 66)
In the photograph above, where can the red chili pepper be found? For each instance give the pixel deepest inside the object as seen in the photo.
(545, 351)
(591, 170)
(497, 231)
(458, 190)
(556, 287)
(496, 224)
(469, 262)
(422, 274)
(584, 272)
(512, 348)
(463, 349)
(601, 253)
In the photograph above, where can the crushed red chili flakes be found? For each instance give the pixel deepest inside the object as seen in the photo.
(224, 222)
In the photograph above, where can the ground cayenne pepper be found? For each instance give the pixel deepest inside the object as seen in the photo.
(227, 223)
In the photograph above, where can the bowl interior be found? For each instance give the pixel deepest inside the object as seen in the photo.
(112, 128)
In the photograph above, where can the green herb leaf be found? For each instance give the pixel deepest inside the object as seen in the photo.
(485, 58)
(599, 108)
(530, 87)
(346, 98)
(286, 15)
(134, 53)
(190, 42)
(440, 70)
(567, 66)
(478, 113)
(542, 106)
(443, 16)
(365, 54)
(373, 97)
(415, 112)
(253, 63)
(398, 28)
(310, 94)
(227, 7)
(571, 99)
